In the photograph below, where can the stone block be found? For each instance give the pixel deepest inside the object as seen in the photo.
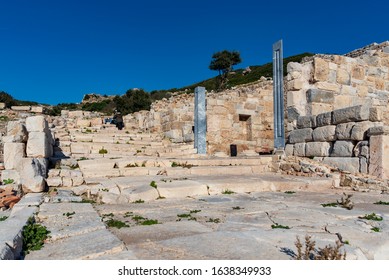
(21, 108)
(296, 98)
(329, 86)
(36, 124)
(345, 164)
(378, 163)
(358, 72)
(362, 149)
(342, 149)
(13, 154)
(343, 131)
(343, 77)
(74, 114)
(299, 149)
(96, 121)
(359, 131)
(320, 96)
(321, 69)
(324, 133)
(54, 181)
(37, 109)
(324, 119)
(375, 114)
(33, 172)
(318, 108)
(38, 145)
(300, 135)
(295, 84)
(350, 114)
(317, 149)
(306, 122)
(16, 132)
(289, 149)
(294, 66)
(83, 123)
(378, 130)
(363, 165)
(2, 105)
(344, 101)
(293, 113)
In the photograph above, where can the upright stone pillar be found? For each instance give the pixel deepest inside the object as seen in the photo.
(379, 151)
(200, 121)
(278, 97)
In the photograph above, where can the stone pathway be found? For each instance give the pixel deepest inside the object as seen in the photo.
(218, 226)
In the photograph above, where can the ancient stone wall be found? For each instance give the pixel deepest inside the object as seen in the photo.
(330, 82)
(242, 116)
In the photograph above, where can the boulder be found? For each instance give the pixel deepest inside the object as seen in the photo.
(33, 174)
(16, 132)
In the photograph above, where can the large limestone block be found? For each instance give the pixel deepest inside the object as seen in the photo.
(343, 131)
(306, 122)
(321, 69)
(324, 133)
(379, 150)
(359, 131)
(324, 119)
(33, 172)
(345, 164)
(320, 96)
(16, 132)
(317, 149)
(300, 135)
(75, 114)
(36, 124)
(37, 109)
(351, 114)
(315, 108)
(13, 153)
(83, 123)
(289, 148)
(299, 149)
(342, 149)
(39, 145)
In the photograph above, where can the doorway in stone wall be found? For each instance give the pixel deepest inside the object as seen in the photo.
(245, 125)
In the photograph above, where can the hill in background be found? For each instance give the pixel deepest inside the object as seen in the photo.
(137, 99)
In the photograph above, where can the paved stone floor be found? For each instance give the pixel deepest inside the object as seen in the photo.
(222, 226)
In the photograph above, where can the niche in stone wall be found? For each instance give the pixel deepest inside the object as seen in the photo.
(245, 125)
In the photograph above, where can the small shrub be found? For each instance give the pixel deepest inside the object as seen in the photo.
(345, 201)
(376, 229)
(153, 184)
(237, 208)
(289, 192)
(381, 203)
(132, 165)
(68, 214)
(3, 218)
(128, 214)
(274, 226)
(183, 215)
(139, 201)
(227, 191)
(212, 220)
(34, 236)
(8, 181)
(333, 204)
(116, 223)
(372, 217)
(103, 151)
(329, 252)
(148, 222)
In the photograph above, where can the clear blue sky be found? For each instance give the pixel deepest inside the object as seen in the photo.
(55, 51)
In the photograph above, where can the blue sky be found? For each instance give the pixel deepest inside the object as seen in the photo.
(57, 51)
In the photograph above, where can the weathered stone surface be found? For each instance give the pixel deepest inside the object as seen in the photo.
(359, 131)
(320, 96)
(306, 122)
(378, 130)
(317, 149)
(375, 114)
(363, 165)
(21, 108)
(350, 114)
(324, 133)
(10, 174)
(38, 145)
(16, 132)
(36, 124)
(300, 135)
(343, 131)
(54, 181)
(342, 149)
(289, 149)
(324, 119)
(83, 123)
(362, 149)
(33, 172)
(321, 69)
(343, 163)
(293, 114)
(379, 149)
(13, 154)
(299, 149)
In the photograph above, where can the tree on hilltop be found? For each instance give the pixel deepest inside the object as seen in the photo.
(223, 62)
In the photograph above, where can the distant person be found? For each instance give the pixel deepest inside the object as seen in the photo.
(119, 120)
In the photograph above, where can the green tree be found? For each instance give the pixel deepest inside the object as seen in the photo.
(7, 99)
(223, 62)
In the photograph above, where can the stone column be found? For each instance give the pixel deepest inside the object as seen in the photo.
(200, 121)
(278, 97)
(379, 151)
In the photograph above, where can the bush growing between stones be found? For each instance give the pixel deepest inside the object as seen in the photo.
(3, 218)
(8, 181)
(103, 151)
(34, 236)
(310, 252)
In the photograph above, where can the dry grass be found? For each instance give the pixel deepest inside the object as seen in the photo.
(310, 252)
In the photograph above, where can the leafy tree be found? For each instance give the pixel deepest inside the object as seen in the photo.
(223, 62)
(7, 99)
